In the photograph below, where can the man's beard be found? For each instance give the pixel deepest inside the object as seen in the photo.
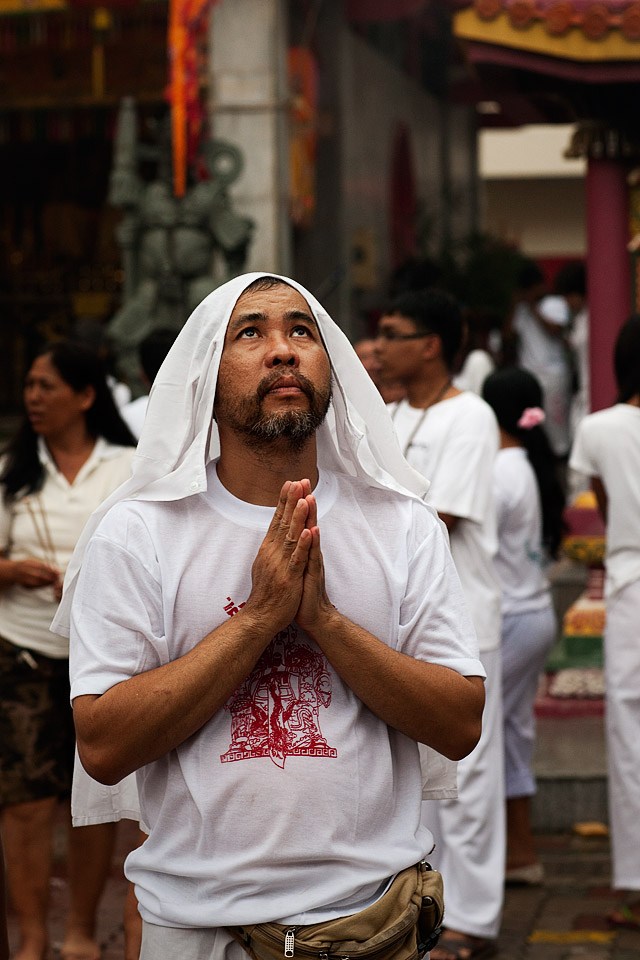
(247, 417)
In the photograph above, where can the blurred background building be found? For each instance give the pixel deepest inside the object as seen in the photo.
(364, 127)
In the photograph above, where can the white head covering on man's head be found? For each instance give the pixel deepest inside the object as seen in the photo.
(180, 436)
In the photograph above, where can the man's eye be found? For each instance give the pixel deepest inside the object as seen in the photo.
(301, 331)
(249, 333)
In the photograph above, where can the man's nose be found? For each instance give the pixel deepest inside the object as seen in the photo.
(282, 352)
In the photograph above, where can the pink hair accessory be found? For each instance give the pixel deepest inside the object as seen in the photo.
(531, 417)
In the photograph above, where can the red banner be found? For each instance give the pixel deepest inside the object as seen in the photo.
(186, 20)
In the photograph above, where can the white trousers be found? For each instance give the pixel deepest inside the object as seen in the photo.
(622, 675)
(526, 640)
(470, 831)
(174, 943)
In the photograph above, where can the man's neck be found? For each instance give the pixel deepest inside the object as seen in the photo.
(256, 475)
(428, 390)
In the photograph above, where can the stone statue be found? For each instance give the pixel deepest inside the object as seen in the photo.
(175, 250)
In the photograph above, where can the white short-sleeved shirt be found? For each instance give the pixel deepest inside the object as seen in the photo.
(607, 445)
(26, 614)
(520, 560)
(476, 368)
(454, 447)
(295, 797)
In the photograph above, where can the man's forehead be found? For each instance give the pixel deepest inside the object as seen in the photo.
(275, 297)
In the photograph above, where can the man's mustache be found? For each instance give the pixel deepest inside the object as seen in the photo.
(298, 379)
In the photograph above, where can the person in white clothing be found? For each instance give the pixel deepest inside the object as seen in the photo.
(70, 452)
(541, 326)
(607, 449)
(571, 283)
(270, 688)
(451, 437)
(529, 505)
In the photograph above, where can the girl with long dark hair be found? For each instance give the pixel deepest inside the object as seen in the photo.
(70, 452)
(529, 504)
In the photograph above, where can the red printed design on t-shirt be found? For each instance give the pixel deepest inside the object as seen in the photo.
(275, 712)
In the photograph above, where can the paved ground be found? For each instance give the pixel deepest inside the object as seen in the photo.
(563, 920)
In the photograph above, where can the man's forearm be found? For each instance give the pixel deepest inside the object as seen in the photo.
(427, 702)
(143, 718)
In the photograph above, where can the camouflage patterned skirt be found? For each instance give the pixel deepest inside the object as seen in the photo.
(36, 726)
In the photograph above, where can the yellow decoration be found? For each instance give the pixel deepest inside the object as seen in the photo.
(535, 38)
(585, 500)
(585, 549)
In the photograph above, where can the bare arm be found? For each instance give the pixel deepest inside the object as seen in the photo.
(143, 718)
(28, 573)
(449, 521)
(430, 703)
(601, 497)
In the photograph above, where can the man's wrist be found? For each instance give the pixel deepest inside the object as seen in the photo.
(259, 621)
(328, 621)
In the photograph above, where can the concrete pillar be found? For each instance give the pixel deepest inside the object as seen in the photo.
(608, 271)
(249, 103)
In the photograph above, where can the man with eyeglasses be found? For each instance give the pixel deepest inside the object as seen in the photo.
(451, 437)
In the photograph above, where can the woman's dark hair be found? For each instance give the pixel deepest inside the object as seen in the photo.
(509, 392)
(626, 359)
(79, 367)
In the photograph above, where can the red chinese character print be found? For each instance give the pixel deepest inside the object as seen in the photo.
(275, 712)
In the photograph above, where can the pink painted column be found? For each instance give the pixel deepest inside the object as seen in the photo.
(608, 271)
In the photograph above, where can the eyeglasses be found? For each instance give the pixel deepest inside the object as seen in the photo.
(391, 335)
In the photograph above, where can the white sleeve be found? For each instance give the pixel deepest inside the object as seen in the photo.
(435, 624)
(116, 619)
(582, 457)
(463, 484)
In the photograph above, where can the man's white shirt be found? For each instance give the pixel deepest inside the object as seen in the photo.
(454, 447)
(607, 445)
(294, 800)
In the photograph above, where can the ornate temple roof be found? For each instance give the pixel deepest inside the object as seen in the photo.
(558, 61)
(587, 40)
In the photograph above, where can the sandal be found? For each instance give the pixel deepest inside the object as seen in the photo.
(462, 947)
(626, 916)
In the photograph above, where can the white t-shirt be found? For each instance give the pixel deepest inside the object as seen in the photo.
(607, 445)
(295, 797)
(26, 614)
(476, 368)
(520, 559)
(537, 349)
(454, 446)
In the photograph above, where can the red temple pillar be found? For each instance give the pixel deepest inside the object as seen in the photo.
(608, 271)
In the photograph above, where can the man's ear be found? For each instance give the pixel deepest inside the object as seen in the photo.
(432, 349)
(88, 396)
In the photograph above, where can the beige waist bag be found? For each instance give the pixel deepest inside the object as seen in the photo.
(403, 924)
